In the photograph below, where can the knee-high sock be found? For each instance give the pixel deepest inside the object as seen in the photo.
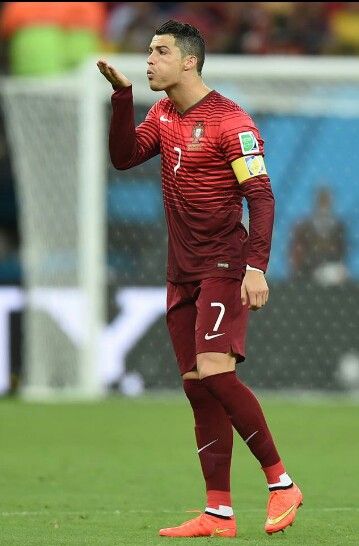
(214, 437)
(246, 415)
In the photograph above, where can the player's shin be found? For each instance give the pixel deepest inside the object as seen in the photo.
(214, 437)
(248, 419)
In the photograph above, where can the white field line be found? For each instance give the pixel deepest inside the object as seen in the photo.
(125, 512)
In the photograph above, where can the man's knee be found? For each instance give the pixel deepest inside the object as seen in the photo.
(190, 375)
(195, 391)
(214, 363)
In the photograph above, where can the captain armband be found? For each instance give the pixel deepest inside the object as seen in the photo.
(248, 167)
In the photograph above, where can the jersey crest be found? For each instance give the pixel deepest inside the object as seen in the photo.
(197, 134)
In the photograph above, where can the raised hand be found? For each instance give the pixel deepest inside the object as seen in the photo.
(116, 78)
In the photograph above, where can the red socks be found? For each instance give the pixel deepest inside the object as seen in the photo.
(218, 402)
(273, 472)
(214, 436)
(246, 415)
(219, 504)
(277, 478)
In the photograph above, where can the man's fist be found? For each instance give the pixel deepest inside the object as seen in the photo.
(254, 291)
(116, 78)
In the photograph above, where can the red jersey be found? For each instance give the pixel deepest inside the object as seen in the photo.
(202, 196)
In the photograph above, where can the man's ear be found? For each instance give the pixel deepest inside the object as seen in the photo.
(190, 62)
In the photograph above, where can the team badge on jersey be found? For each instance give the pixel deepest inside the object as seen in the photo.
(249, 143)
(197, 134)
(198, 131)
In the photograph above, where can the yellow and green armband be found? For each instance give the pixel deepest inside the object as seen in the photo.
(248, 167)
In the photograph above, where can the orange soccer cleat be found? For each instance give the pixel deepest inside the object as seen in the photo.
(204, 525)
(282, 508)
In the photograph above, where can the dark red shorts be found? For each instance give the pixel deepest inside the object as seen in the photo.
(206, 316)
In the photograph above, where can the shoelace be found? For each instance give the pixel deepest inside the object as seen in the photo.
(195, 511)
(274, 495)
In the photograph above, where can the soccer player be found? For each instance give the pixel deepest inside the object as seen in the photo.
(212, 157)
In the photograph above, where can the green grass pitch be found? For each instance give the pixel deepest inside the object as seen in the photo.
(114, 472)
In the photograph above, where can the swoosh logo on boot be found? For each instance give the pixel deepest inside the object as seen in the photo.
(273, 521)
(218, 532)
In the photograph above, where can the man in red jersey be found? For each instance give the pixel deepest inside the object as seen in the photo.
(212, 157)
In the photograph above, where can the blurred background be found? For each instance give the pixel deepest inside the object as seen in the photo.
(83, 247)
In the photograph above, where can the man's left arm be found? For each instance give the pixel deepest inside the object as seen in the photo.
(258, 193)
(243, 148)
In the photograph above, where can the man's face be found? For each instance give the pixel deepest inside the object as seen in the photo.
(165, 63)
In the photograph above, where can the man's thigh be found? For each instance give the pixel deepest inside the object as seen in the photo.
(181, 322)
(206, 316)
(222, 320)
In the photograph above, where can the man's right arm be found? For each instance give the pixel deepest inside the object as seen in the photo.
(129, 146)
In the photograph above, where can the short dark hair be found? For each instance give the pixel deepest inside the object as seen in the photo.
(188, 39)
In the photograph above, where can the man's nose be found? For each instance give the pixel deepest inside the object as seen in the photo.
(150, 58)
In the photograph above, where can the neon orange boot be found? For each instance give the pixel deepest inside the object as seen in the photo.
(204, 525)
(282, 508)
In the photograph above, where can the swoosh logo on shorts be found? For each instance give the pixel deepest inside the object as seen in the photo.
(273, 521)
(208, 337)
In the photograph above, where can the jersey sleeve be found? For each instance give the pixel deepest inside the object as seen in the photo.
(239, 137)
(129, 145)
(243, 148)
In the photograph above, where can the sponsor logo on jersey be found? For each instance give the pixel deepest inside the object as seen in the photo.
(249, 143)
(255, 165)
(197, 134)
